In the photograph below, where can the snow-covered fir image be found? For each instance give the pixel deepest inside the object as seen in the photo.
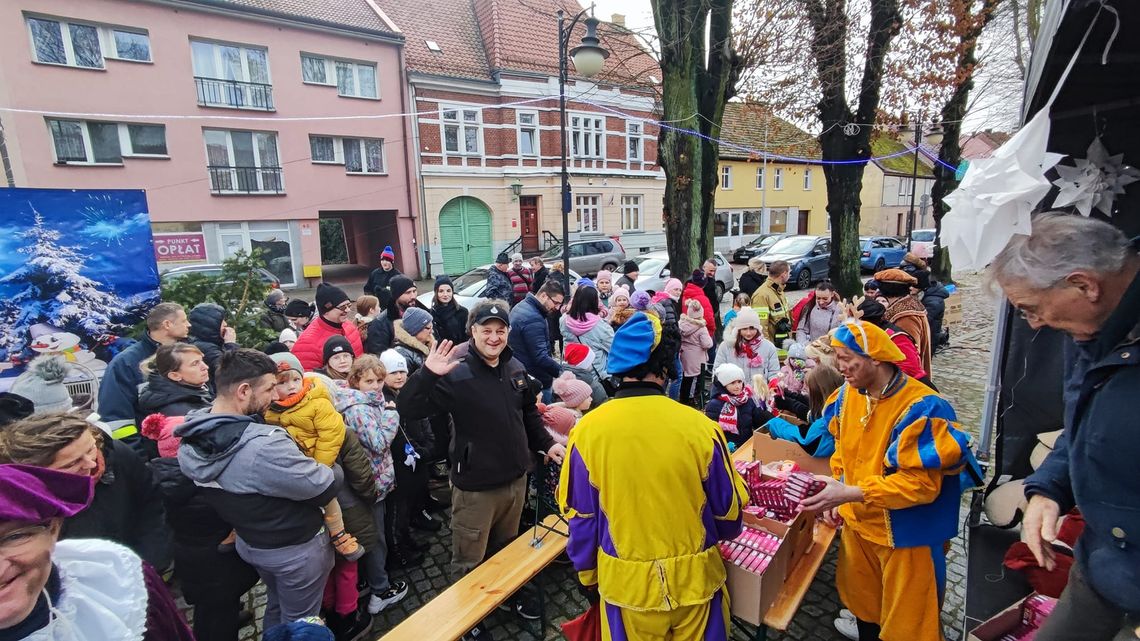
(77, 270)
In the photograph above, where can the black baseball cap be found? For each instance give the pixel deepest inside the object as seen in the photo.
(491, 311)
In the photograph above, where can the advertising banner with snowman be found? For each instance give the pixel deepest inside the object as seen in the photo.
(77, 271)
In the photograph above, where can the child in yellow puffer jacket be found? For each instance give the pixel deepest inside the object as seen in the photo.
(304, 407)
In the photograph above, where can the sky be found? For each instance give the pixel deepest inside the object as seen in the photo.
(638, 13)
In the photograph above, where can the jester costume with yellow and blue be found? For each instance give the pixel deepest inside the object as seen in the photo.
(905, 452)
(649, 489)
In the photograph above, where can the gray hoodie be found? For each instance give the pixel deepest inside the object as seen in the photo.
(256, 478)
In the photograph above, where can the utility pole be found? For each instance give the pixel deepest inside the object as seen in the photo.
(764, 219)
(913, 180)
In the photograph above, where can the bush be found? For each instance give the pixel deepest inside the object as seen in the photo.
(239, 289)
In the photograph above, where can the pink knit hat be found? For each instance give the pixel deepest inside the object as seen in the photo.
(160, 428)
(620, 292)
(572, 391)
(558, 418)
(673, 283)
(604, 274)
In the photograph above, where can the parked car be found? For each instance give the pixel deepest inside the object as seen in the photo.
(654, 271)
(216, 270)
(589, 256)
(880, 252)
(922, 242)
(469, 287)
(756, 247)
(807, 255)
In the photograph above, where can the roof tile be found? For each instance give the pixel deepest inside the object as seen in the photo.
(351, 14)
(449, 23)
(752, 129)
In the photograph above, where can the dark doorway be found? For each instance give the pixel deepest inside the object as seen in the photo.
(802, 224)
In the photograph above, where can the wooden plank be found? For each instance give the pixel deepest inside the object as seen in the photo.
(470, 599)
(799, 579)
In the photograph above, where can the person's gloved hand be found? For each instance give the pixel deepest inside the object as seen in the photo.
(590, 592)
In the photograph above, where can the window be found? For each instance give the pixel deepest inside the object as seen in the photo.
(633, 132)
(85, 45)
(587, 137)
(779, 178)
(363, 155)
(243, 162)
(433, 46)
(760, 178)
(528, 133)
(725, 177)
(231, 76)
(905, 186)
(358, 155)
(807, 179)
(355, 80)
(777, 221)
(631, 213)
(589, 214)
(462, 131)
(78, 141)
(752, 220)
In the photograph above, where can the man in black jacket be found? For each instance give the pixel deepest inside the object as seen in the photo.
(497, 431)
(380, 279)
(210, 333)
(382, 331)
(257, 480)
(118, 391)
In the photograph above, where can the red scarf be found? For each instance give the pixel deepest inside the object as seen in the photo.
(752, 351)
(729, 415)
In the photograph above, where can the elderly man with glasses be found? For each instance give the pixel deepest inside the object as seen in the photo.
(1081, 276)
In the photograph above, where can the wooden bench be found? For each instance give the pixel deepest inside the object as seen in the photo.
(475, 596)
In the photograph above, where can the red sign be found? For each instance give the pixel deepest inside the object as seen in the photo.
(179, 247)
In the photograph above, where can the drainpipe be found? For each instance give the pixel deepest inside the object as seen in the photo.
(413, 172)
(9, 177)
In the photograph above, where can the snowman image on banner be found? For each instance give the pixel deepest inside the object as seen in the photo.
(48, 339)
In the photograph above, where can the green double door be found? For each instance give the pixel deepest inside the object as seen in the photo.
(464, 234)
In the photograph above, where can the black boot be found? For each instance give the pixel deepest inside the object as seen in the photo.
(401, 557)
(350, 627)
(410, 542)
(422, 521)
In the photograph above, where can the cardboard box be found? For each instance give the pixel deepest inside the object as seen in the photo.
(1000, 624)
(953, 314)
(798, 535)
(751, 595)
(762, 447)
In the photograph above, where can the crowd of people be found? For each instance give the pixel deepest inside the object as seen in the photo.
(307, 465)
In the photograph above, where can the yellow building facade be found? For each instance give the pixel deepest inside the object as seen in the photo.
(757, 195)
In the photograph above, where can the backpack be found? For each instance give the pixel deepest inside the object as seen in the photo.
(798, 310)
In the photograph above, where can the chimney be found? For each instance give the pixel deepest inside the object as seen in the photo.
(618, 19)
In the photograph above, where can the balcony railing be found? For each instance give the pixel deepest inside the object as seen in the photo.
(245, 180)
(217, 92)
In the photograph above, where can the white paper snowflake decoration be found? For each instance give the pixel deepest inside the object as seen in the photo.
(1095, 181)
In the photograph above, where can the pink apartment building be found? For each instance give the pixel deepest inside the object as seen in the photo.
(246, 121)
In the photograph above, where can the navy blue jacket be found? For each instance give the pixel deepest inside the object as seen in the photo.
(119, 389)
(1093, 465)
(499, 285)
(530, 340)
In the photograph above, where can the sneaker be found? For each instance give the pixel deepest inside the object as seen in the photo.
(435, 505)
(394, 594)
(347, 546)
(848, 628)
(525, 604)
(846, 614)
(422, 521)
(478, 633)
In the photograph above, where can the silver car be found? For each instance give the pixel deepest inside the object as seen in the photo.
(589, 256)
(469, 287)
(654, 271)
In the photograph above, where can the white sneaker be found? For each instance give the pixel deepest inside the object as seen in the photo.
(847, 627)
(846, 614)
(394, 594)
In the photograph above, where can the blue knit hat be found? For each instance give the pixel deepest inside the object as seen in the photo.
(388, 254)
(309, 629)
(633, 342)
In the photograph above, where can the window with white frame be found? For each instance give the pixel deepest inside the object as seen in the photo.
(352, 79)
(589, 212)
(725, 177)
(905, 187)
(635, 144)
(631, 218)
(243, 162)
(807, 179)
(588, 136)
(81, 141)
(528, 133)
(760, 178)
(358, 155)
(778, 179)
(82, 44)
(462, 130)
(230, 75)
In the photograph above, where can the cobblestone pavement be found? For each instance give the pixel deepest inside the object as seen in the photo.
(960, 373)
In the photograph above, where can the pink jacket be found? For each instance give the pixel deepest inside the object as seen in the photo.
(695, 345)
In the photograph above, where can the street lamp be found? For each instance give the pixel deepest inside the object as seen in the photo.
(588, 60)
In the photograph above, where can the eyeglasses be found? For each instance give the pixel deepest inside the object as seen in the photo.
(344, 307)
(557, 303)
(18, 540)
